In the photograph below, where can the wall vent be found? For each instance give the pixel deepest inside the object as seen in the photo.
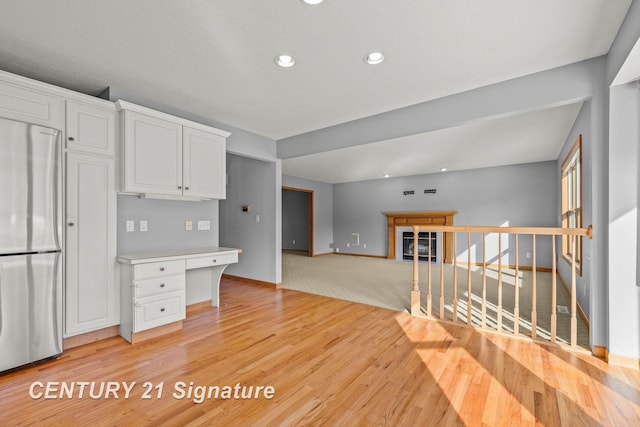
(430, 191)
(408, 192)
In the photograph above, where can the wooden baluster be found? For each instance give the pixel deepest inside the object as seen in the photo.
(516, 303)
(574, 320)
(553, 289)
(499, 282)
(484, 282)
(415, 291)
(442, 278)
(534, 313)
(432, 235)
(455, 279)
(469, 279)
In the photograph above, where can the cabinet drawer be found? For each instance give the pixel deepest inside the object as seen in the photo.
(159, 310)
(158, 285)
(157, 269)
(212, 260)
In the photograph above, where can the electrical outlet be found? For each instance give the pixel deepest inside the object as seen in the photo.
(348, 244)
(528, 254)
(188, 225)
(144, 225)
(258, 218)
(337, 249)
(364, 246)
(294, 241)
(131, 226)
(204, 225)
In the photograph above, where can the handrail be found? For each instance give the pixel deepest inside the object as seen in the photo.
(573, 233)
(540, 231)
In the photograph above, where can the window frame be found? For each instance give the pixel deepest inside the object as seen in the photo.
(571, 200)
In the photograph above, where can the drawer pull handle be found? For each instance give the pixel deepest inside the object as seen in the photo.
(71, 139)
(162, 309)
(161, 268)
(162, 285)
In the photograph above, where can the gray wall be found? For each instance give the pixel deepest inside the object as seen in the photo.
(251, 182)
(520, 195)
(619, 161)
(166, 224)
(624, 176)
(582, 126)
(295, 220)
(322, 211)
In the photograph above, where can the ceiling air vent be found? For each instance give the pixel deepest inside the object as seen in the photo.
(430, 191)
(408, 192)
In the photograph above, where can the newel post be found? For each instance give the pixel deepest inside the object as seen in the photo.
(415, 291)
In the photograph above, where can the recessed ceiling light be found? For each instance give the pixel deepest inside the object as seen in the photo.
(374, 58)
(285, 61)
(443, 169)
(312, 1)
(386, 175)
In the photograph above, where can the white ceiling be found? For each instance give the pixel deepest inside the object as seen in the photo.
(214, 59)
(522, 138)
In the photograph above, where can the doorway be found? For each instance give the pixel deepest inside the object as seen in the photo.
(297, 219)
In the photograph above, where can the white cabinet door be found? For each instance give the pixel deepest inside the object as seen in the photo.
(91, 290)
(204, 166)
(31, 106)
(90, 129)
(152, 155)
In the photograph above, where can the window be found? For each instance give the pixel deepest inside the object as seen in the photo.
(572, 201)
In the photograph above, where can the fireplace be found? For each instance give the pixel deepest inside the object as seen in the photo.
(409, 219)
(426, 240)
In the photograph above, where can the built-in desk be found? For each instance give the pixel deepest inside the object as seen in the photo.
(155, 287)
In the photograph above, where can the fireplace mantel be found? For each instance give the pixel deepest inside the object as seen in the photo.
(408, 219)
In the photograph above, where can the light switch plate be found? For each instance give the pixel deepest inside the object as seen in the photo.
(143, 225)
(204, 225)
(188, 225)
(131, 226)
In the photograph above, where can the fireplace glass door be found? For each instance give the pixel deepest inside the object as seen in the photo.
(425, 240)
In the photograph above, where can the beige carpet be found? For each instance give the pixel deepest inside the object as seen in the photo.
(387, 284)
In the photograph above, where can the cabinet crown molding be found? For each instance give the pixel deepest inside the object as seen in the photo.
(66, 94)
(125, 105)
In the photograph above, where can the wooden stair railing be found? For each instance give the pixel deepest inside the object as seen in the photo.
(534, 232)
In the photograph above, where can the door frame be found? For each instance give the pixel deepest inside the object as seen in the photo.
(310, 192)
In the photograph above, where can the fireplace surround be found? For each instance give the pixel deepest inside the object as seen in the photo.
(408, 219)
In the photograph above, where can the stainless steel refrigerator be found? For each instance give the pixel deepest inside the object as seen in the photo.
(30, 250)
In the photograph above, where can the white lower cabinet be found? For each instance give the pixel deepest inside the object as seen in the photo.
(152, 294)
(158, 310)
(91, 290)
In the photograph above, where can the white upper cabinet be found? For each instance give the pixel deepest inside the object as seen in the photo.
(204, 164)
(30, 105)
(152, 155)
(168, 157)
(91, 128)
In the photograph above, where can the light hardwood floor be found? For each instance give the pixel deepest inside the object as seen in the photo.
(331, 362)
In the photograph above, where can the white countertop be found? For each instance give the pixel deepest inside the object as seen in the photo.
(153, 256)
